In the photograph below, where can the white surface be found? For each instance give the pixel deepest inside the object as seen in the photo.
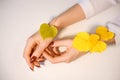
(21, 18)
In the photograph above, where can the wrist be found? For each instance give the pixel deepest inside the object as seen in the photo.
(56, 22)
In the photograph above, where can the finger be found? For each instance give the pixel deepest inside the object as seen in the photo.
(33, 58)
(56, 51)
(36, 63)
(28, 51)
(38, 51)
(41, 48)
(56, 59)
(49, 52)
(29, 47)
(62, 43)
(31, 65)
(41, 60)
(42, 57)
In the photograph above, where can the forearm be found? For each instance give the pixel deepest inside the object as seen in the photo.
(72, 15)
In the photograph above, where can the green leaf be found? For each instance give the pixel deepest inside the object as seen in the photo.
(47, 31)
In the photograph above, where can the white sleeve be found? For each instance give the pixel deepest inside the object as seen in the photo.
(114, 26)
(92, 7)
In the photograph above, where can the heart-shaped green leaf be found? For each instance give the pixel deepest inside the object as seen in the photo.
(47, 31)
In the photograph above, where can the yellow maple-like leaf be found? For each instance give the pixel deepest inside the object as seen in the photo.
(104, 33)
(80, 42)
(83, 35)
(99, 47)
(93, 40)
(85, 42)
(47, 31)
(94, 37)
(107, 36)
(101, 30)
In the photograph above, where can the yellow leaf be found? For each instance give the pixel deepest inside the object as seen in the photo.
(83, 35)
(107, 36)
(101, 30)
(80, 42)
(99, 47)
(94, 37)
(47, 31)
(85, 42)
(104, 33)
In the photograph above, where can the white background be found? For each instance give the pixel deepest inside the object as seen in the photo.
(21, 18)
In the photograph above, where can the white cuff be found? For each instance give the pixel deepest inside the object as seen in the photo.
(93, 7)
(87, 8)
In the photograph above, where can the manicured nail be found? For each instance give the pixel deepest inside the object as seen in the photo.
(41, 60)
(32, 59)
(38, 66)
(31, 69)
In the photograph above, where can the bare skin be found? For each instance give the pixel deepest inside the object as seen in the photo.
(36, 48)
(72, 15)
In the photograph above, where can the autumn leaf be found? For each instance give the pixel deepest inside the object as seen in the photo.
(47, 31)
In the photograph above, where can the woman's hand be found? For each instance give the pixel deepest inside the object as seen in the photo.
(35, 44)
(34, 48)
(68, 55)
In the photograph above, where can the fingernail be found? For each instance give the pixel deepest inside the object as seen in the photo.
(42, 60)
(31, 69)
(38, 66)
(32, 59)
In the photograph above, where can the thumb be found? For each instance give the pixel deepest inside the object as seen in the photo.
(58, 43)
